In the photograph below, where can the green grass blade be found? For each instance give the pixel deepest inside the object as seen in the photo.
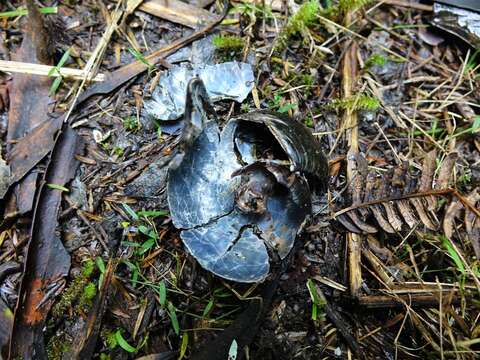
(162, 293)
(183, 347)
(23, 12)
(173, 317)
(55, 85)
(64, 59)
(123, 343)
(447, 244)
(58, 187)
(130, 212)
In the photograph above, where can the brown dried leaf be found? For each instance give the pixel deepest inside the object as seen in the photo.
(446, 171)
(422, 213)
(29, 100)
(393, 217)
(453, 212)
(347, 223)
(372, 183)
(426, 180)
(407, 213)
(362, 225)
(47, 261)
(379, 216)
(178, 12)
(472, 222)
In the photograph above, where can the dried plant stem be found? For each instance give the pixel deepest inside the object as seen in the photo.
(39, 69)
(435, 192)
(350, 122)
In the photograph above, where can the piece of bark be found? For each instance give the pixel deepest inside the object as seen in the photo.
(414, 300)
(47, 262)
(178, 12)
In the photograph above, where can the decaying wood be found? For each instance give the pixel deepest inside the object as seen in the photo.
(47, 261)
(178, 12)
(413, 300)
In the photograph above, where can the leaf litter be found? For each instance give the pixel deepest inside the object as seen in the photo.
(399, 277)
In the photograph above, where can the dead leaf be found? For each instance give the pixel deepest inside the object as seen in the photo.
(29, 101)
(446, 171)
(178, 12)
(47, 261)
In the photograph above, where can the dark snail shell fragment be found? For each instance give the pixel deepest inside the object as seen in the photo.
(234, 214)
(296, 141)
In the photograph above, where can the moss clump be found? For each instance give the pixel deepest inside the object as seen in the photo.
(363, 102)
(57, 347)
(351, 5)
(109, 338)
(228, 43)
(308, 121)
(80, 289)
(88, 268)
(375, 60)
(298, 24)
(89, 292)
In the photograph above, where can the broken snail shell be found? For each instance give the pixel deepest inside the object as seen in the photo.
(241, 193)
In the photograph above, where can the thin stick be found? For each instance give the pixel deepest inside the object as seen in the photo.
(349, 73)
(436, 192)
(44, 70)
(409, 4)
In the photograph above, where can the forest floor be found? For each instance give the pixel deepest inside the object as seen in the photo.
(91, 266)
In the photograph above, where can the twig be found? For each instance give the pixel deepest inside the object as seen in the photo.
(409, 4)
(44, 70)
(436, 192)
(350, 121)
